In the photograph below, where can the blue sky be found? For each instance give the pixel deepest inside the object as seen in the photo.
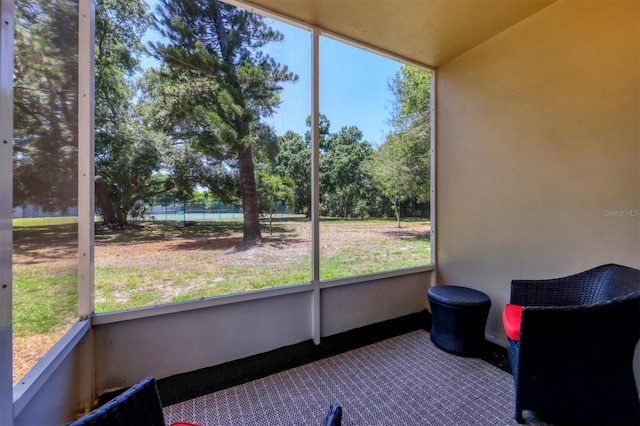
(353, 84)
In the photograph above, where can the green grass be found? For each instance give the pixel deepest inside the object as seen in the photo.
(43, 299)
(149, 286)
(43, 221)
(190, 263)
(384, 258)
(45, 276)
(45, 296)
(240, 280)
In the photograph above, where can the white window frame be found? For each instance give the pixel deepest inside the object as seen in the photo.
(31, 383)
(6, 209)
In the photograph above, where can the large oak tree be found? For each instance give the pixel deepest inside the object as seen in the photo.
(129, 155)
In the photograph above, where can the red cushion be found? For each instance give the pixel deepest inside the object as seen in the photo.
(511, 320)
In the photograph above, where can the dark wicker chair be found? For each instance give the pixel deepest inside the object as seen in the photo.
(573, 358)
(334, 416)
(139, 405)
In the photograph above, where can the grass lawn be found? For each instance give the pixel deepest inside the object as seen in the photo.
(162, 262)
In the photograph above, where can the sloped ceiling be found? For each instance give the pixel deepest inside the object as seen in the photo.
(428, 32)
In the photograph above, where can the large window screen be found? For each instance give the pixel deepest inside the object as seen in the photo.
(374, 163)
(45, 163)
(202, 154)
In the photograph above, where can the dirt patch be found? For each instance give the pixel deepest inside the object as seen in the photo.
(28, 350)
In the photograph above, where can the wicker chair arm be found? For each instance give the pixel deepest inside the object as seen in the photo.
(139, 405)
(565, 291)
(597, 284)
(615, 319)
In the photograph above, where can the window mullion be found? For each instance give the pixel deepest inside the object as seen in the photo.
(315, 182)
(86, 27)
(6, 210)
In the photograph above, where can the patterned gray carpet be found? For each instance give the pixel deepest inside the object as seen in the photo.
(405, 380)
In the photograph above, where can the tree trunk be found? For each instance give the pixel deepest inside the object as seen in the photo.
(271, 219)
(396, 209)
(249, 198)
(106, 208)
(122, 219)
(245, 158)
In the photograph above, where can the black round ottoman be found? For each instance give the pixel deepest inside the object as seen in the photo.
(458, 319)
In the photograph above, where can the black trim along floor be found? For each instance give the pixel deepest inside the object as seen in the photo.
(201, 382)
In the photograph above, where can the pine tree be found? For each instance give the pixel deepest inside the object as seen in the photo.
(215, 86)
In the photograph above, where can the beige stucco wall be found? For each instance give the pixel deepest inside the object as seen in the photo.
(538, 152)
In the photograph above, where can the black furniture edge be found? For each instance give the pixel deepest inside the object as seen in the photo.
(138, 405)
(334, 416)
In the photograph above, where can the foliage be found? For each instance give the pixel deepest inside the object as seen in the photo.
(214, 86)
(139, 210)
(203, 198)
(119, 27)
(45, 142)
(192, 129)
(411, 88)
(126, 164)
(398, 168)
(128, 155)
(294, 163)
(196, 121)
(344, 181)
(346, 187)
(401, 167)
(272, 189)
